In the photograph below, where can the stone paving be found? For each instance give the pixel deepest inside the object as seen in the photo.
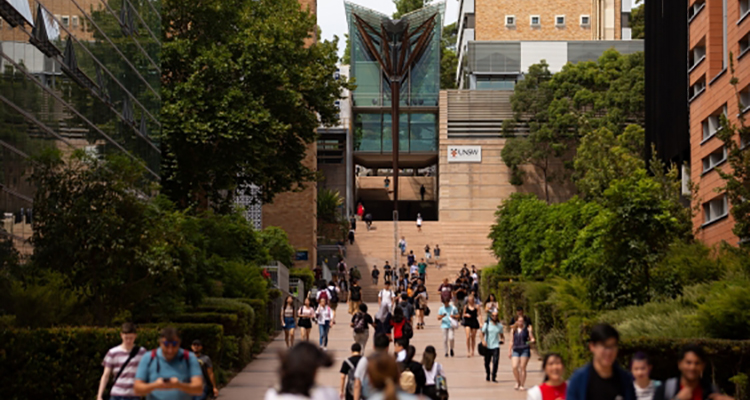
(466, 377)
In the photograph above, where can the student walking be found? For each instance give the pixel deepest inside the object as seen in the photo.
(422, 270)
(210, 390)
(422, 192)
(432, 370)
(416, 370)
(411, 259)
(448, 317)
(348, 367)
(121, 364)
(383, 321)
(351, 237)
(446, 291)
(385, 296)
(491, 305)
(375, 274)
(692, 383)
(361, 322)
(355, 298)
(363, 388)
(640, 367)
(402, 245)
(353, 223)
(387, 272)
(471, 324)
(520, 352)
(384, 378)
(168, 372)
(419, 222)
(360, 211)
(299, 367)
(436, 252)
(427, 254)
(554, 386)
(397, 322)
(420, 305)
(306, 314)
(368, 221)
(288, 318)
(492, 337)
(325, 317)
(602, 378)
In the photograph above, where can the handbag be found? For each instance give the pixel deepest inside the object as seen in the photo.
(482, 349)
(108, 390)
(426, 311)
(454, 323)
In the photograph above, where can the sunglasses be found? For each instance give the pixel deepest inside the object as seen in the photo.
(170, 343)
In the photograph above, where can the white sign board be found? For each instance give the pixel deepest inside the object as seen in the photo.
(465, 154)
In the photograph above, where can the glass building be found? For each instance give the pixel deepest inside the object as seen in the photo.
(371, 100)
(75, 74)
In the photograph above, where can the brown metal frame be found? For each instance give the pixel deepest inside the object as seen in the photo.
(396, 67)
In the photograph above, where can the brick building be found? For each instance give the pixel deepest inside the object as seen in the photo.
(295, 212)
(718, 29)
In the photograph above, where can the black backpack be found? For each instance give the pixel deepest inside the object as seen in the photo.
(356, 294)
(407, 331)
(360, 322)
(334, 296)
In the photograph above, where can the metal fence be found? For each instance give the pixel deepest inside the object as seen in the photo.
(279, 275)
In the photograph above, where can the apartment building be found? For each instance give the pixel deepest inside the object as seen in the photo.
(718, 30)
(540, 20)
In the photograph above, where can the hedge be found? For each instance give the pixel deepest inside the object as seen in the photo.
(230, 306)
(306, 275)
(233, 325)
(262, 326)
(210, 335)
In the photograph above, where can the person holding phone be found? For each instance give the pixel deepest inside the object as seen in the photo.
(169, 372)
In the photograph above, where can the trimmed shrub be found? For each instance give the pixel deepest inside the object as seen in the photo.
(306, 275)
(211, 335)
(233, 325)
(64, 363)
(726, 312)
(229, 306)
(262, 325)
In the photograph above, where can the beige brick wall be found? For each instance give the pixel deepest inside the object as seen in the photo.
(490, 19)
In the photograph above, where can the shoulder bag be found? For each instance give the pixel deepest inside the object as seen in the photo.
(110, 384)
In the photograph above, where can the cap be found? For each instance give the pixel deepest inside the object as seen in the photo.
(197, 342)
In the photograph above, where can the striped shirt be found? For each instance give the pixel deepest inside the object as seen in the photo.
(114, 359)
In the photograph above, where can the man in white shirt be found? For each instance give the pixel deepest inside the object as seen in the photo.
(399, 347)
(386, 295)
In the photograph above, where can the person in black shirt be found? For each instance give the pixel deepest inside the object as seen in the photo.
(361, 322)
(415, 368)
(375, 275)
(347, 372)
(602, 378)
(387, 271)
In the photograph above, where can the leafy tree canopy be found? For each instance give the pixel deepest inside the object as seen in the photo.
(242, 98)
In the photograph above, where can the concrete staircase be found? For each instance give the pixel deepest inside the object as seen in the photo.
(464, 243)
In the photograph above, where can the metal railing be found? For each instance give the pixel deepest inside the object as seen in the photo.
(279, 275)
(297, 288)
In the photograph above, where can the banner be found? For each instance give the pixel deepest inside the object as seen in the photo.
(467, 154)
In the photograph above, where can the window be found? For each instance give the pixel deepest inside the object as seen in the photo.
(560, 20)
(585, 20)
(696, 8)
(697, 54)
(510, 20)
(697, 88)
(65, 20)
(715, 209)
(535, 20)
(625, 20)
(744, 45)
(712, 124)
(745, 99)
(744, 8)
(75, 21)
(496, 82)
(714, 159)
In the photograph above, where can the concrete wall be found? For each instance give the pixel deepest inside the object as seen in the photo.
(471, 192)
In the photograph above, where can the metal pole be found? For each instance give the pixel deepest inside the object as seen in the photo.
(395, 91)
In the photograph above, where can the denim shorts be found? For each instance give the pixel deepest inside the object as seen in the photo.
(289, 323)
(522, 352)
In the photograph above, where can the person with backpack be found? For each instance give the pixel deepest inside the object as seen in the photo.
(363, 385)
(375, 275)
(434, 374)
(401, 326)
(325, 316)
(348, 367)
(406, 307)
(333, 292)
(448, 317)
(355, 297)
(121, 362)
(602, 378)
(169, 372)
(446, 291)
(361, 322)
(413, 368)
(402, 246)
(692, 384)
(383, 321)
(354, 274)
(210, 390)
(351, 237)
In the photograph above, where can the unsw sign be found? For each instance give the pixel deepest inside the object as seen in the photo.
(465, 154)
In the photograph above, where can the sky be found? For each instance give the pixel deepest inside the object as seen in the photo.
(332, 19)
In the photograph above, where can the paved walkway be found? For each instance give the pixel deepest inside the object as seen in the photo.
(466, 377)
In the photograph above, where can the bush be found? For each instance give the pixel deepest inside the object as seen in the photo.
(211, 335)
(726, 312)
(671, 318)
(684, 264)
(57, 363)
(232, 324)
(304, 274)
(262, 326)
(230, 306)
(727, 358)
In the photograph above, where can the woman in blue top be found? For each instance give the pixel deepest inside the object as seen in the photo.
(520, 351)
(493, 336)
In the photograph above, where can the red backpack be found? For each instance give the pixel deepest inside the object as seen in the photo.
(185, 356)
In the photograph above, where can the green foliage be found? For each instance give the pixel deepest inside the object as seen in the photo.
(601, 158)
(245, 111)
(329, 204)
(233, 325)
(306, 275)
(262, 326)
(229, 306)
(571, 296)
(448, 57)
(407, 6)
(276, 241)
(518, 222)
(638, 21)
(685, 264)
(726, 311)
(42, 302)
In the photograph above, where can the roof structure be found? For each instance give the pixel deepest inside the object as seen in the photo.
(414, 18)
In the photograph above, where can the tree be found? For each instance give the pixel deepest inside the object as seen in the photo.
(407, 6)
(448, 57)
(244, 91)
(638, 21)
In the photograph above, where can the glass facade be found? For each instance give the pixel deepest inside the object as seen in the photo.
(419, 90)
(77, 74)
